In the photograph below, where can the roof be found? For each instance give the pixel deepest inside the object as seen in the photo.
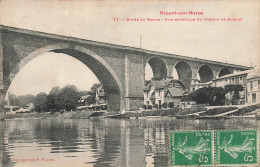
(160, 84)
(235, 74)
(22, 110)
(11, 107)
(175, 92)
(254, 74)
(82, 107)
(84, 97)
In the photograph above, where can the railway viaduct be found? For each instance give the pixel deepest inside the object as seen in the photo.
(120, 69)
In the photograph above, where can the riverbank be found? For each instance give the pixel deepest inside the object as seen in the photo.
(171, 112)
(64, 115)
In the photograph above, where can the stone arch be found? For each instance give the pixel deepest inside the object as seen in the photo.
(205, 73)
(94, 62)
(184, 72)
(159, 67)
(224, 71)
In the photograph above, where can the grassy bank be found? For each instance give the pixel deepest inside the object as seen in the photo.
(160, 112)
(216, 111)
(164, 112)
(245, 110)
(186, 111)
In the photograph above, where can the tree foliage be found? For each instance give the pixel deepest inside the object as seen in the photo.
(235, 88)
(13, 99)
(20, 101)
(94, 87)
(58, 98)
(68, 97)
(234, 92)
(52, 99)
(209, 95)
(25, 99)
(92, 93)
(40, 102)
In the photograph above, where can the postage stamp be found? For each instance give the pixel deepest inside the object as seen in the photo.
(191, 148)
(236, 147)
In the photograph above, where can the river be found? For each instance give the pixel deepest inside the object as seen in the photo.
(98, 142)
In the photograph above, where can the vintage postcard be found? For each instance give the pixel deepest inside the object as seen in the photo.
(129, 83)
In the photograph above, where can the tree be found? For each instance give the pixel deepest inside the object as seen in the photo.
(217, 96)
(20, 101)
(52, 99)
(92, 98)
(209, 95)
(68, 98)
(94, 87)
(25, 99)
(40, 102)
(234, 91)
(201, 96)
(13, 101)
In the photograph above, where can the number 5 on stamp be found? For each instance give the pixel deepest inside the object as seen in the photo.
(236, 147)
(191, 148)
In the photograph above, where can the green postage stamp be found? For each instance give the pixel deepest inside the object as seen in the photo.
(214, 148)
(237, 147)
(191, 148)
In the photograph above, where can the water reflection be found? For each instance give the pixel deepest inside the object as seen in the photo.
(97, 142)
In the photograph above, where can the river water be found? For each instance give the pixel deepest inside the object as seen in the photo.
(98, 142)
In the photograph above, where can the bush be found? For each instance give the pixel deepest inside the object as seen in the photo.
(164, 105)
(62, 111)
(171, 105)
(52, 112)
(150, 107)
(170, 112)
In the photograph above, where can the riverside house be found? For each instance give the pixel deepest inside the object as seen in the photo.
(166, 91)
(253, 87)
(236, 78)
(99, 104)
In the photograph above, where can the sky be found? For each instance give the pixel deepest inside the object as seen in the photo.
(235, 42)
